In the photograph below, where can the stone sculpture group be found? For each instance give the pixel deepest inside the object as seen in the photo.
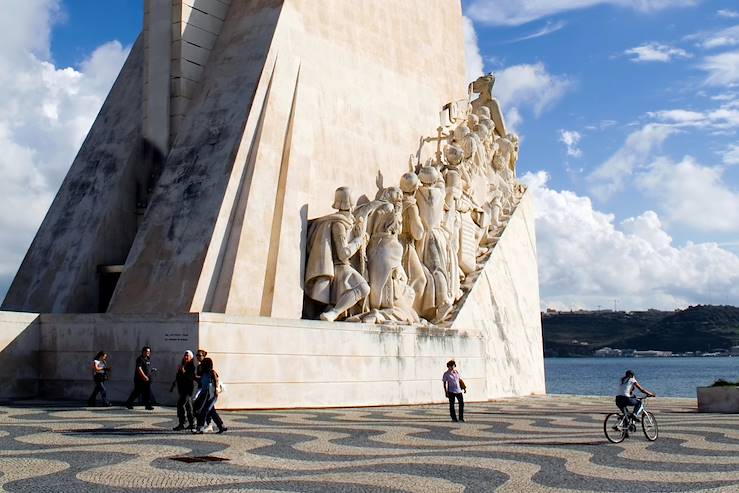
(403, 257)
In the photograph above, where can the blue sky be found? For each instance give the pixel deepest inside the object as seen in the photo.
(627, 110)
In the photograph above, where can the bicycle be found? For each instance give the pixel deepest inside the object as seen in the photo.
(617, 425)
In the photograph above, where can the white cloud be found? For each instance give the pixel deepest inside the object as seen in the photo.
(586, 260)
(45, 113)
(723, 69)
(719, 39)
(513, 119)
(656, 52)
(724, 117)
(517, 12)
(549, 28)
(571, 138)
(530, 85)
(611, 176)
(472, 55)
(728, 14)
(731, 155)
(691, 194)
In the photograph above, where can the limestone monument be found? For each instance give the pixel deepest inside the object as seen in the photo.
(246, 189)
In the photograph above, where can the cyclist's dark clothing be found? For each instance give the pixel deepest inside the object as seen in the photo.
(622, 401)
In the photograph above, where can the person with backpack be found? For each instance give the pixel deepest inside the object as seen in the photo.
(207, 396)
(99, 376)
(453, 388)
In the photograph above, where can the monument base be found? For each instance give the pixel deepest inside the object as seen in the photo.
(282, 363)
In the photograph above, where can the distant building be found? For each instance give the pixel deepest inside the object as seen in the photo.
(651, 353)
(607, 352)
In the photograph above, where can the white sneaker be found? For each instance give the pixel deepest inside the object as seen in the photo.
(208, 429)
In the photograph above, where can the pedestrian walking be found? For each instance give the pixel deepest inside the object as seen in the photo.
(200, 355)
(207, 396)
(99, 376)
(142, 380)
(185, 383)
(453, 388)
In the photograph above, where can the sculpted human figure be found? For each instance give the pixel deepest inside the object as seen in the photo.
(486, 132)
(332, 241)
(433, 249)
(390, 297)
(472, 168)
(453, 226)
(411, 233)
(513, 138)
(503, 179)
(483, 86)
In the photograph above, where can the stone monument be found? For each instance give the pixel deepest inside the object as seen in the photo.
(199, 213)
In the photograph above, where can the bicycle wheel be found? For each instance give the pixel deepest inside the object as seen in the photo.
(649, 426)
(613, 428)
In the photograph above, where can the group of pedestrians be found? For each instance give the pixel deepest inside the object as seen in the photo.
(198, 386)
(196, 410)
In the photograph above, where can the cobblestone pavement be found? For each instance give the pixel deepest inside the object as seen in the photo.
(527, 444)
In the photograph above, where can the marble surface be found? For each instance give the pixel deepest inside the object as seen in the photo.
(504, 305)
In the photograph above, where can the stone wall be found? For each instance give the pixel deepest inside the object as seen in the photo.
(19, 343)
(269, 363)
(504, 305)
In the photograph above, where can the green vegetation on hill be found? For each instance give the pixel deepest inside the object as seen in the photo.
(698, 328)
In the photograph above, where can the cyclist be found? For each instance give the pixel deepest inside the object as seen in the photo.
(626, 397)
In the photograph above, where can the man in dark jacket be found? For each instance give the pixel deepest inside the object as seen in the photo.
(142, 380)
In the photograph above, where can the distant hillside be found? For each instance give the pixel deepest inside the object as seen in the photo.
(698, 328)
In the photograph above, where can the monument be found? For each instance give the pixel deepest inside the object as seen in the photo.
(310, 190)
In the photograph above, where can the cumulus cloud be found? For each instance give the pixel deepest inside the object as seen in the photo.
(728, 14)
(611, 176)
(722, 69)
(691, 194)
(656, 52)
(720, 39)
(517, 12)
(724, 117)
(45, 113)
(586, 259)
(473, 58)
(529, 86)
(571, 138)
(731, 155)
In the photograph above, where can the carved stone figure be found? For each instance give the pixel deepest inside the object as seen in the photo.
(406, 254)
(433, 249)
(483, 86)
(332, 241)
(390, 297)
(412, 232)
(513, 138)
(453, 225)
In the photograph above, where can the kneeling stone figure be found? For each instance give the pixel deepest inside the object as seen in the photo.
(332, 242)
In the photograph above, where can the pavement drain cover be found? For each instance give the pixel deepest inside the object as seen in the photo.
(200, 458)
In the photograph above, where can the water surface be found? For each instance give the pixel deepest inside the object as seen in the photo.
(668, 377)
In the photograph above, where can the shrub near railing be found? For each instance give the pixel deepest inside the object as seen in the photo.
(723, 383)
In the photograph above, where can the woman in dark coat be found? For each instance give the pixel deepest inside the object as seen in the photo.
(207, 396)
(185, 383)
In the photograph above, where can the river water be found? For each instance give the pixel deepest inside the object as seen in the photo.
(667, 377)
